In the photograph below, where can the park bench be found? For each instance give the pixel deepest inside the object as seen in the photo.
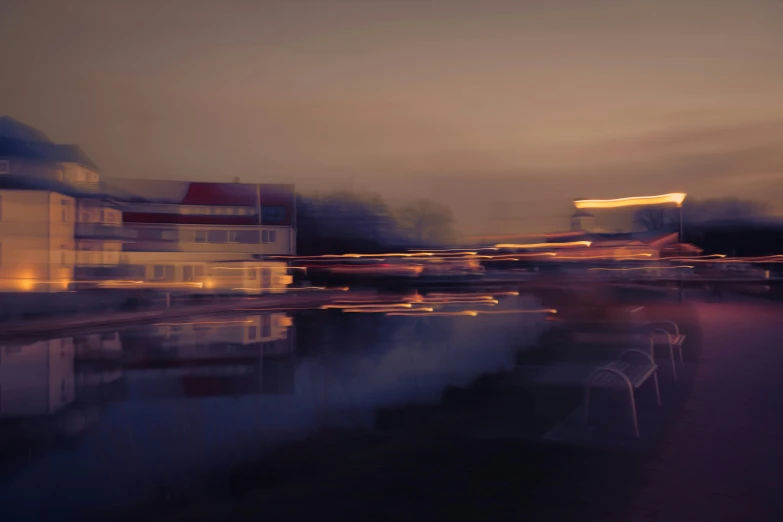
(625, 375)
(632, 325)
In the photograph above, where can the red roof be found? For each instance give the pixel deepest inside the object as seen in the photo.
(224, 194)
(148, 217)
(277, 195)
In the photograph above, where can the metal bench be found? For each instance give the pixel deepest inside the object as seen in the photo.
(624, 375)
(633, 325)
(662, 332)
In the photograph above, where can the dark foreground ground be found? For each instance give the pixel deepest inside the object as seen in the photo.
(712, 452)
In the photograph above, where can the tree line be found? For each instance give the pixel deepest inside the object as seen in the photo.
(697, 212)
(341, 222)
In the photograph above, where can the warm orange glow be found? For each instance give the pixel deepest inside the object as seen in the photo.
(142, 284)
(504, 236)
(567, 244)
(384, 310)
(355, 306)
(204, 323)
(502, 312)
(458, 299)
(639, 268)
(471, 313)
(624, 257)
(676, 198)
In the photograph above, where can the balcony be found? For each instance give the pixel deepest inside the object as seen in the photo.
(102, 272)
(106, 232)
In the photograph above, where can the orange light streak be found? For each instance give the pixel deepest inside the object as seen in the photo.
(677, 198)
(566, 244)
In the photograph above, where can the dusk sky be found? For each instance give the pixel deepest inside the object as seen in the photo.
(505, 110)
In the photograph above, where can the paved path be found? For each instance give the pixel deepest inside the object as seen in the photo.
(723, 457)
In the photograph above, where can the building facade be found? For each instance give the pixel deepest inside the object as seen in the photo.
(57, 222)
(61, 223)
(213, 237)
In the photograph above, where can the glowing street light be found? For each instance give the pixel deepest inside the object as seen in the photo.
(675, 198)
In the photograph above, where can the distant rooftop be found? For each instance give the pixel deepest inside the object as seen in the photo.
(20, 140)
(16, 130)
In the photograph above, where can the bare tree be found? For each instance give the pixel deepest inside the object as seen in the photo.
(655, 218)
(427, 222)
(701, 211)
(724, 209)
(343, 221)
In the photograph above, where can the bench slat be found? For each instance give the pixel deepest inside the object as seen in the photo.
(636, 373)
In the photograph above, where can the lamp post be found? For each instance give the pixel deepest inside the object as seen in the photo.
(682, 235)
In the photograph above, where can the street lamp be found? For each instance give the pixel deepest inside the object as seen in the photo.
(663, 199)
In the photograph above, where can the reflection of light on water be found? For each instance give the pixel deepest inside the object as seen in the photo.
(382, 310)
(348, 306)
(638, 268)
(181, 439)
(474, 313)
(422, 364)
(471, 313)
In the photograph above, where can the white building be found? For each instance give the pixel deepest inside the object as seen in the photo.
(60, 223)
(209, 237)
(56, 222)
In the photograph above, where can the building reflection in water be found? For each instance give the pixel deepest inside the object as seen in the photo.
(174, 402)
(36, 379)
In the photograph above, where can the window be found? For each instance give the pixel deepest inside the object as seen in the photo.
(199, 270)
(163, 272)
(272, 214)
(217, 236)
(187, 273)
(63, 256)
(85, 217)
(5, 166)
(266, 327)
(65, 210)
(251, 332)
(269, 236)
(250, 237)
(201, 236)
(251, 274)
(110, 216)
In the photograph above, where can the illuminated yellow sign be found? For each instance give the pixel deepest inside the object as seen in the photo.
(545, 245)
(676, 198)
